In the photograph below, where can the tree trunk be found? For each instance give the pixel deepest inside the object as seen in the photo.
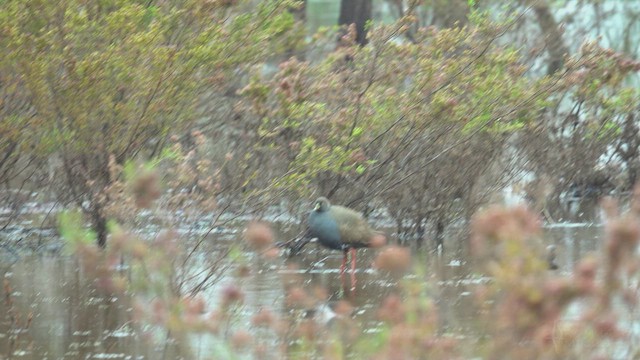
(440, 236)
(356, 12)
(553, 37)
(633, 174)
(299, 14)
(99, 225)
(419, 233)
(451, 13)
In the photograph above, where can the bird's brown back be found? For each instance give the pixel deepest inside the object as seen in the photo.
(354, 229)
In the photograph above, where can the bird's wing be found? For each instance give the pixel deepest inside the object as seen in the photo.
(352, 226)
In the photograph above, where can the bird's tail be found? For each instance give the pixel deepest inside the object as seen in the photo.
(296, 244)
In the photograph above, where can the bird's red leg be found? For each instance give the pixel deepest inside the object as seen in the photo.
(353, 268)
(343, 266)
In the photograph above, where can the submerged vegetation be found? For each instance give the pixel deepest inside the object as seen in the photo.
(148, 126)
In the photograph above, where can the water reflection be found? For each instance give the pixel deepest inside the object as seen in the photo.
(54, 312)
(69, 319)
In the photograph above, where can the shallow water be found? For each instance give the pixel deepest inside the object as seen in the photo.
(68, 319)
(53, 311)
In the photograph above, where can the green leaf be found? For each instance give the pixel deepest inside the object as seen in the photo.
(70, 225)
(149, 14)
(129, 170)
(235, 254)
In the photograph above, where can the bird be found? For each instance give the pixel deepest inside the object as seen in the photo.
(340, 228)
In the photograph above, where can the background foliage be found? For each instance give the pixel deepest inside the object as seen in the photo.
(156, 114)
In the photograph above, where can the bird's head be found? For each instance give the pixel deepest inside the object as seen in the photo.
(322, 204)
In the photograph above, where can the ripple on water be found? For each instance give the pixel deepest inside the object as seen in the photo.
(82, 333)
(123, 332)
(109, 356)
(564, 225)
(21, 353)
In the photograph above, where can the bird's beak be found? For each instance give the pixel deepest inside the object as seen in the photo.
(317, 207)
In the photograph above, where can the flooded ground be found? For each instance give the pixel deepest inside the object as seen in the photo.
(50, 310)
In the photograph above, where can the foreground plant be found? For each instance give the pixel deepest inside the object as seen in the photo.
(156, 270)
(524, 311)
(531, 312)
